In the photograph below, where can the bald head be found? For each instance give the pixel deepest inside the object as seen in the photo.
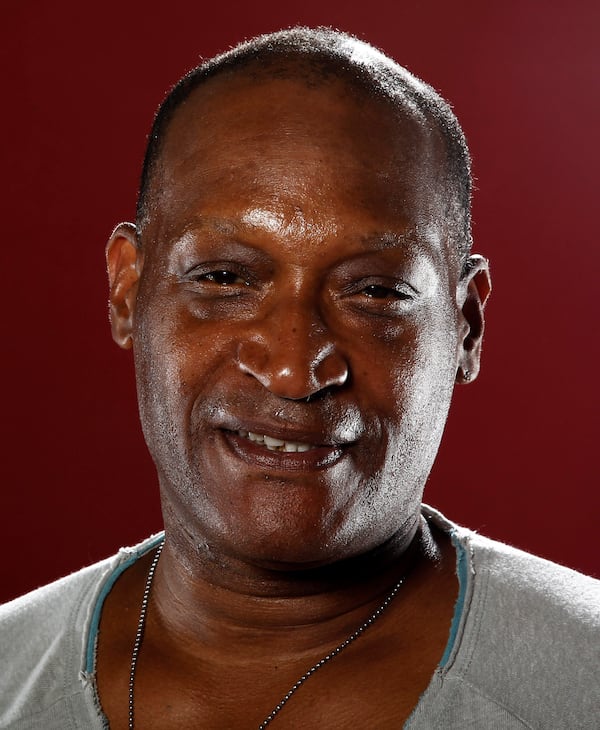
(316, 58)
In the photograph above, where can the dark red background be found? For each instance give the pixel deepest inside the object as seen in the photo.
(81, 82)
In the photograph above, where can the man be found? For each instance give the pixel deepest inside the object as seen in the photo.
(300, 297)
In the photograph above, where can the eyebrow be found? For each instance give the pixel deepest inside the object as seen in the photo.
(389, 239)
(419, 239)
(198, 223)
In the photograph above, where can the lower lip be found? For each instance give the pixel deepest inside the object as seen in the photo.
(256, 454)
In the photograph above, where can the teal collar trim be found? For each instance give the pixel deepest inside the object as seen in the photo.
(462, 571)
(92, 640)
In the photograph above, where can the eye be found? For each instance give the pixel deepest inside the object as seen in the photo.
(381, 296)
(375, 291)
(219, 280)
(222, 278)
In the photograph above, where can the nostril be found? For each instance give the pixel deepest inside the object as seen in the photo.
(289, 369)
(252, 357)
(332, 370)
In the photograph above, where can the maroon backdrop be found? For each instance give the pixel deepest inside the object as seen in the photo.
(519, 459)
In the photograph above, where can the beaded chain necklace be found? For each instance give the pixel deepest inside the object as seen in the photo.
(139, 635)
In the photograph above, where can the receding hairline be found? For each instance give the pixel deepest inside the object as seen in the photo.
(231, 84)
(314, 57)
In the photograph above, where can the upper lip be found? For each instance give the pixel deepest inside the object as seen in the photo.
(288, 432)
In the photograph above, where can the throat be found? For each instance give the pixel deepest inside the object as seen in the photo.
(307, 609)
(324, 660)
(403, 624)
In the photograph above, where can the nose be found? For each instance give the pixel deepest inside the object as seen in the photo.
(292, 353)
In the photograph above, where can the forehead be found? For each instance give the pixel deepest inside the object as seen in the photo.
(304, 148)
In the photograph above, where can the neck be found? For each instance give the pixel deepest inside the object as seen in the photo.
(226, 604)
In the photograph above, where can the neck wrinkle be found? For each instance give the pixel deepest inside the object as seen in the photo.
(318, 616)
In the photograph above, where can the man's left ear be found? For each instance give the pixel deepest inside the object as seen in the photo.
(473, 291)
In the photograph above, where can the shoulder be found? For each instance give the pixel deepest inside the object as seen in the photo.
(529, 637)
(508, 577)
(51, 600)
(526, 582)
(47, 640)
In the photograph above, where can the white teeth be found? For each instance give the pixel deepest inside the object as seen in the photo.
(275, 444)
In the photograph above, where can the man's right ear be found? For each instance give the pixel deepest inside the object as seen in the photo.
(124, 262)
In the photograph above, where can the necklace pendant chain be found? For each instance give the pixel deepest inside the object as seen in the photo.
(139, 634)
(332, 654)
(293, 689)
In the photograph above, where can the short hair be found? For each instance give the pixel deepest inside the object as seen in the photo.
(326, 53)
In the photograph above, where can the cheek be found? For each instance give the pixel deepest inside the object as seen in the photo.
(171, 347)
(427, 391)
(183, 365)
(165, 363)
(414, 382)
(409, 360)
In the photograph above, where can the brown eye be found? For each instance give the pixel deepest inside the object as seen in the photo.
(223, 278)
(375, 291)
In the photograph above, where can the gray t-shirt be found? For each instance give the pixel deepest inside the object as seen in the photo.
(522, 652)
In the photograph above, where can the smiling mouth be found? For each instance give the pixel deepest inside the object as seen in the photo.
(275, 444)
(266, 451)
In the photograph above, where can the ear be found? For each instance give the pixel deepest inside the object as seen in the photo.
(474, 289)
(124, 262)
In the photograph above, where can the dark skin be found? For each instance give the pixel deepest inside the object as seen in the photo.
(235, 679)
(312, 254)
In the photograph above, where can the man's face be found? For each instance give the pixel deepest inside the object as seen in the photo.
(297, 288)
